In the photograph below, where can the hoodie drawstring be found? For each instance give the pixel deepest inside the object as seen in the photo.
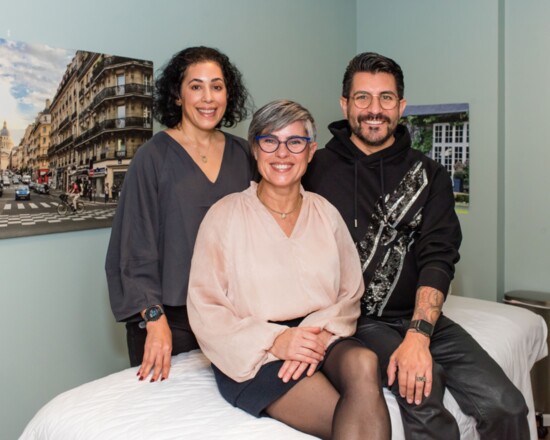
(355, 196)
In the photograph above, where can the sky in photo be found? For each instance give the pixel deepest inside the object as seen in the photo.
(29, 74)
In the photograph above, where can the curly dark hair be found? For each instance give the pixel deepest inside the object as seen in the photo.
(168, 83)
(373, 63)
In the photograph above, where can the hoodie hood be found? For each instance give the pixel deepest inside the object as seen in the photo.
(342, 145)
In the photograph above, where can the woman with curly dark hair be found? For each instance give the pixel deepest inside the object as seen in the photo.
(168, 87)
(172, 181)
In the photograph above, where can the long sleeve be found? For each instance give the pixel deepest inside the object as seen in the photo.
(440, 236)
(132, 262)
(246, 275)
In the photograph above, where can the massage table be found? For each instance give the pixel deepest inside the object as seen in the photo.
(188, 405)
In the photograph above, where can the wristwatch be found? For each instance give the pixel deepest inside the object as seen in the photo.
(153, 313)
(422, 326)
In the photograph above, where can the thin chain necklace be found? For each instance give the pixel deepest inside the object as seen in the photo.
(204, 157)
(283, 215)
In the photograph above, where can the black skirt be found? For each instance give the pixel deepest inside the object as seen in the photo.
(256, 394)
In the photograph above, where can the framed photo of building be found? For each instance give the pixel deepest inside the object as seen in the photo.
(442, 132)
(69, 117)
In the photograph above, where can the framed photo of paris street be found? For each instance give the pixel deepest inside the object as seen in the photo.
(70, 119)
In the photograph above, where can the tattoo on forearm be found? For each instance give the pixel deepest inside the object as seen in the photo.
(429, 302)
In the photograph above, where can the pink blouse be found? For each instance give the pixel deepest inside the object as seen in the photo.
(246, 272)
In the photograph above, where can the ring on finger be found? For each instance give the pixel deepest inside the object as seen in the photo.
(421, 378)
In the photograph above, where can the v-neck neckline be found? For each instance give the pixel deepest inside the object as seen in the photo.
(181, 148)
(262, 207)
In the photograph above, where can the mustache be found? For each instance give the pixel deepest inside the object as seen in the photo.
(373, 117)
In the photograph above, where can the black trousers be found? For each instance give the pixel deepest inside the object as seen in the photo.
(183, 339)
(476, 381)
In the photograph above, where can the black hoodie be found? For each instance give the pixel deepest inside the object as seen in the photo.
(399, 207)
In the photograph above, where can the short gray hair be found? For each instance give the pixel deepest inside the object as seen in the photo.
(277, 115)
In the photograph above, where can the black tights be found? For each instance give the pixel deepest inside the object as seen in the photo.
(344, 400)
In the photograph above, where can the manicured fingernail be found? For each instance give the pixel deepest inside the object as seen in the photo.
(152, 380)
(137, 374)
(141, 378)
(162, 379)
(417, 402)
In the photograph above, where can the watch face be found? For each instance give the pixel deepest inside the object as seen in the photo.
(423, 327)
(153, 313)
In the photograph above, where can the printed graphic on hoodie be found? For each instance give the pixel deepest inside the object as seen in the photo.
(387, 240)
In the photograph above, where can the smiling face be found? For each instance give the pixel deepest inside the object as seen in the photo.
(372, 128)
(283, 169)
(203, 95)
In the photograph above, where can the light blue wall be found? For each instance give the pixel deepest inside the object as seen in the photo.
(527, 145)
(57, 329)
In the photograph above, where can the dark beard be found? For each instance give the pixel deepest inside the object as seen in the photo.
(356, 130)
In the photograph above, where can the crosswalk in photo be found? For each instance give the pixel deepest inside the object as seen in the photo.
(31, 218)
(32, 213)
(39, 215)
(29, 205)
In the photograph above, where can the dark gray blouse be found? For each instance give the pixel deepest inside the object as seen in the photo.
(163, 201)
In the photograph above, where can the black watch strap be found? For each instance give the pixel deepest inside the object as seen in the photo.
(422, 326)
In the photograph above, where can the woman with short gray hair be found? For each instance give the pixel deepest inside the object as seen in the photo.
(274, 294)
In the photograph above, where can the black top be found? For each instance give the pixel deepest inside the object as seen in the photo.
(164, 198)
(399, 207)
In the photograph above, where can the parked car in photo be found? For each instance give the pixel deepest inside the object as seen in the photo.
(1, 189)
(6, 180)
(26, 179)
(22, 192)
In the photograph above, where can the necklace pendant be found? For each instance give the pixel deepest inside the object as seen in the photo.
(204, 159)
(283, 215)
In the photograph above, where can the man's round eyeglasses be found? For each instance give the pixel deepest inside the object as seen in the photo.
(387, 100)
(294, 144)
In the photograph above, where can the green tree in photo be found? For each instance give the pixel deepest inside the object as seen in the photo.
(420, 127)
